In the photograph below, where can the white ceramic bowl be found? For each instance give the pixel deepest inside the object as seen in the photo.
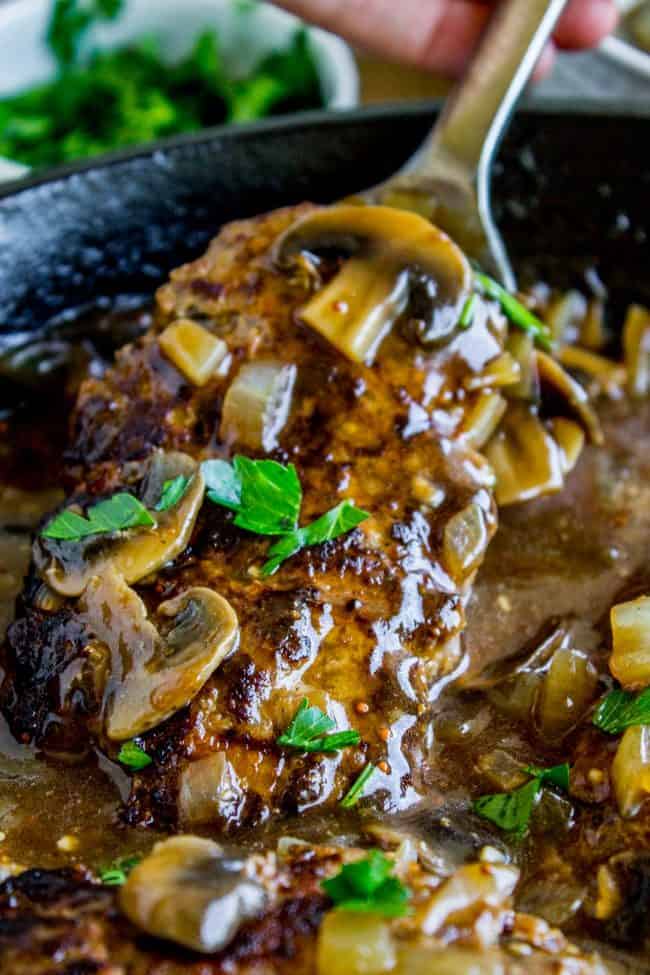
(247, 31)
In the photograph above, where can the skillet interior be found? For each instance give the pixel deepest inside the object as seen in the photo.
(572, 191)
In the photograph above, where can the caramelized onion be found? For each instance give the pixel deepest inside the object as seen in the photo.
(630, 659)
(570, 438)
(465, 540)
(564, 314)
(631, 769)
(188, 892)
(208, 788)
(414, 959)
(524, 457)
(155, 672)
(353, 943)
(194, 351)
(69, 566)
(521, 346)
(482, 419)
(568, 689)
(357, 309)
(257, 404)
(504, 370)
(636, 348)
(609, 376)
(472, 887)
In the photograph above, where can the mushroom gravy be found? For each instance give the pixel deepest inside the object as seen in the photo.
(514, 691)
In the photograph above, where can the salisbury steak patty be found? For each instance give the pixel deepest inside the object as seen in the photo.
(365, 626)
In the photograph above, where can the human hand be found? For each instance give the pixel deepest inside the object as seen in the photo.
(440, 35)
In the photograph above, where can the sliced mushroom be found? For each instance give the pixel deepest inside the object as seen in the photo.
(194, 351)
(188, 892)
(134, 554)
(552, 374)
(257, 404)
(154, 669)
(521, 346)
(570, 438)
(396, 258)
(525, 459)
(482, 419)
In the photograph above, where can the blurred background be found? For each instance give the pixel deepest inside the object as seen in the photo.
(82, 77)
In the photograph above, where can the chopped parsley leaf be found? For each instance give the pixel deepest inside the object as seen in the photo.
(118, 513)
(369, 886)
(309, 731)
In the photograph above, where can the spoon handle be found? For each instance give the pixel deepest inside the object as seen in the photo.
(477, 113)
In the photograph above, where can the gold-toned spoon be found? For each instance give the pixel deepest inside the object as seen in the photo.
(448, 178)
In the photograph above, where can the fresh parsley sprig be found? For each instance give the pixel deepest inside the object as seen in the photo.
(172, 492)
(513, 309)
(369, 886)
(356, 790)
(133, 756)
(621, 710)
(118, 513)
(117, 874)
(511, 811)
(266, 498)
(309, 731)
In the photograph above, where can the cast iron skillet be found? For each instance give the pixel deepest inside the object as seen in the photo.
(572, 191)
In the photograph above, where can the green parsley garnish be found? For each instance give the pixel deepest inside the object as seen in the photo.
(101, 99)
(266, 498)
(621, 710)
(172, 492)
(118, 513)
(133, 756)
(467, 314)
(369, 886)
(116, 875)
(265, 495)
(357, 788)
(518, 314)
(511, 811)
(309, 732)
(337, 521)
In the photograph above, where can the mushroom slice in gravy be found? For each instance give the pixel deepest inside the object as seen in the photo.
(356, 310)
(155, 667)
(189, 892)
(68, 566)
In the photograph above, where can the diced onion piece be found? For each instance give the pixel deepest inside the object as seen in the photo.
(257, 404)
(504, 370)
(610, 899)
(521, 346)
(194, 351)
(525, 459)
(354, 943)
(552, 373)
(483, 418)
(630, 659)
(516, 697)
(563, 313)
(636, 347)
(358, 308)
(610, 376)
(593, 334)
(416, 959)
(570, 438)
(631, 769)
(471, 888)
(465, 540)
(568, 689)
(209, 788)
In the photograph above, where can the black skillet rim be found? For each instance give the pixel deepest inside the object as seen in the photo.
(367, 114)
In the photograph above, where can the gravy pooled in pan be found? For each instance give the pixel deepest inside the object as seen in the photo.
(272, 616)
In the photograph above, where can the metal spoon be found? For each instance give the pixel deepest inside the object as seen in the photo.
(448, 178)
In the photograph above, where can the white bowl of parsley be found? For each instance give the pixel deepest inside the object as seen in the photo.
(82, 77)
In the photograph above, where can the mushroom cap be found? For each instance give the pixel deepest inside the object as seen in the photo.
(154, 670)
(188, 892)
(386, 247)
(68, 566)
